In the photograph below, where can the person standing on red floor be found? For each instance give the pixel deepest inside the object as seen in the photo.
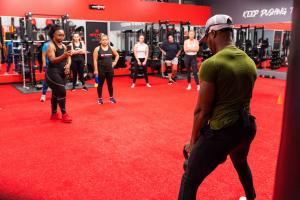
(223, 124)
(59, 66)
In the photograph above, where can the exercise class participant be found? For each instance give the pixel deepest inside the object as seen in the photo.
(222, 121)
(59, 66)
(77, 65)
(141, 52)
(191, 48)
(104, 67)
(171, 51)
(9, 53)
(45, 63)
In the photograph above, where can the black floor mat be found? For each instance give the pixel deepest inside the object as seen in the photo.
(30, 89)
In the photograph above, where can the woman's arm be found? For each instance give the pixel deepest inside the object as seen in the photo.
(196, 48)
(69, 61)
(44, 58)
(147, 54)
(135, 54)
(185, 47)
(95, 59)
(115, 53)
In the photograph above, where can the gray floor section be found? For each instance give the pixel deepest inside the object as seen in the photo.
(272, 74)
(260, 72)
(31, 89)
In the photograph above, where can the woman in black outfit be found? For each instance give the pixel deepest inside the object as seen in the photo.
(104, 67)
(59, 66)
(78, 56)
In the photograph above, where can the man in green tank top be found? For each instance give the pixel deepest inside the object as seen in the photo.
(222, 122)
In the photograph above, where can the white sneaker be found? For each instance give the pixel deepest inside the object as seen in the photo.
(148, 85)
(243, 198)
(198, 87)
(5, 73)
(133, 85)
(43, 98)
(189, 87)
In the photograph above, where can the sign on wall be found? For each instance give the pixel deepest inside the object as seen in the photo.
(270, 12)
(93, 30)
(255, 11)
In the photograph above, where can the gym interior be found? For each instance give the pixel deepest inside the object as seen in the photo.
(130, 144)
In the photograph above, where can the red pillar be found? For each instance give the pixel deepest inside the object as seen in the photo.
(287, 183)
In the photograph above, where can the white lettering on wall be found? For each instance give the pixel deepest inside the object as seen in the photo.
(250, 13)
(267, 12)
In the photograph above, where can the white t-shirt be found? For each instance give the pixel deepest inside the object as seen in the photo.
(141, 50)
(191, 44)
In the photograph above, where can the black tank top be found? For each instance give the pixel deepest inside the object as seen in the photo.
(60, 65)
(77, 56)
(105, 59)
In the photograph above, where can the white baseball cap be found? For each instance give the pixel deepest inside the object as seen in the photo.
(216, 23)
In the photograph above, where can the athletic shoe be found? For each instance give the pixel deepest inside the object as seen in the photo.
(243, 198)
(198, 87)
(84, 88)
(55, 116)
(189, 87)
(133, 85)
(66, 118)
(148, 85)
(170, 82)
(174, 79)
(43, 98)
(112, 100)
(73, 89)
(5, 73)
(100, 101)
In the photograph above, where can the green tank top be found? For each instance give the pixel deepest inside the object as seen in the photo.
(234, 73)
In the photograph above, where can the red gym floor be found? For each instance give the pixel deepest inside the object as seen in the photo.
(128, 151)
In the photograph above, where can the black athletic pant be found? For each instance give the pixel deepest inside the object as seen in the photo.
(211, 149)
(56, 81)
(77, 67)
(190, 62)
(136, 70)
(108, 76)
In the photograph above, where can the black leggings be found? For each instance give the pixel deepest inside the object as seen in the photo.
(56, 81)
(77, 67)
(108, 76)
(136, 70)
(191, 62)
(211, 149)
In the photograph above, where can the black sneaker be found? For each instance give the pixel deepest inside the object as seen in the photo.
(73, 89)
(112, 100)
(84, 88)
(100, 101)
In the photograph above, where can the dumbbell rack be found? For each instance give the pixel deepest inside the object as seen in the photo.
(275, 59)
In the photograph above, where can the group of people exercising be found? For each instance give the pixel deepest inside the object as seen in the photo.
(223, 125)
(59, 60)
(171, 51)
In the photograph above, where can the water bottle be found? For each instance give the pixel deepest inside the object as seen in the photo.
(96, 81)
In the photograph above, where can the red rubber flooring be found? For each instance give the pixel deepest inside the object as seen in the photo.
(128, 151)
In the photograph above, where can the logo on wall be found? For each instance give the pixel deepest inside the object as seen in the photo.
(95, 35)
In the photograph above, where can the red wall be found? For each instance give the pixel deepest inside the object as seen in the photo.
(115, 10)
